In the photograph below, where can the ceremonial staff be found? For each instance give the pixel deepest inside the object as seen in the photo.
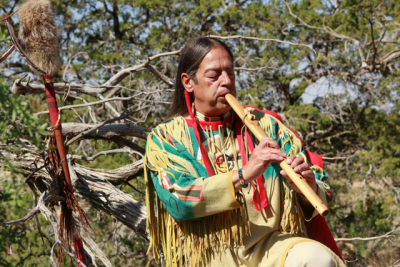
(250, 121)
(39, 45)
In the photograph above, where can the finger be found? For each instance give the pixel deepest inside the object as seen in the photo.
(290, 159)
(272, 155)
(268, 142)
(308, 175)
(301, 167)
(265, 156)
(297, 161)
(268, 150)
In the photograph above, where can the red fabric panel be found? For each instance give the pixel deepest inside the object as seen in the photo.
(260, 183)
(315, 159)
(318, 230)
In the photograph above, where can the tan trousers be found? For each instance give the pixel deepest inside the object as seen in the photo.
(309, 254)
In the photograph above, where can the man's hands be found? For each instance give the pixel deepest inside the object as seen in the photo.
(302, 168)
(269, 151)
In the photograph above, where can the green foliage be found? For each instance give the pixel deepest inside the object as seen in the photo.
(20, 244)
(17, 120)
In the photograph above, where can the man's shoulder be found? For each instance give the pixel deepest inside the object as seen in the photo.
(170, 127)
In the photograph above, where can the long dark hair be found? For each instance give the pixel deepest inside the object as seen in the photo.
(191, 57)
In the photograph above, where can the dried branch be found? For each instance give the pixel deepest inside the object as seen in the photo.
(389, 57)
(159, 75)
(94, 128)
(105, 153)
(104, 196)
(71, 130)
(49, 216)
(385, 236)
(26, 88)
(115, 176)
(95, 249)
(105, 100)
(21, 88)
(122, 142)
(333, 158)
(108, 105)
(93, 185)
(28, 158)
(42, 199)
(117, 78)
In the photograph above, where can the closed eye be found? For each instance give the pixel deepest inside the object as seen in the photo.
(212, 75)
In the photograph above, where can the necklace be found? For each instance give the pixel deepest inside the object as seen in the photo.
(221, 146)
(201, 117)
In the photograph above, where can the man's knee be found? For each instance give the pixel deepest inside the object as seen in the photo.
(309, 254)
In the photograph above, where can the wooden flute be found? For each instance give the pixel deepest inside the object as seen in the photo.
(298, 180)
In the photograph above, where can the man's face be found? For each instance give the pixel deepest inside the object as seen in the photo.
(215, 78)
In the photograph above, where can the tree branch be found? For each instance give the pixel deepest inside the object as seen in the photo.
(104, 153)
(93, 185)
(110, 131)
(385, 236)
(21, 88)
(104, 196)
(105, 100)
(117, 78)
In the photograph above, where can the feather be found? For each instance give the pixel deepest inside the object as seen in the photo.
(39, 34)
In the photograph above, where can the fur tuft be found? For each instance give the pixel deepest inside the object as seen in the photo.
(39, 34)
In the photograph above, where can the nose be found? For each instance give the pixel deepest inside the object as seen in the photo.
(226, 79)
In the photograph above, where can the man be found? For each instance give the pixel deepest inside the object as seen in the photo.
(222, 200)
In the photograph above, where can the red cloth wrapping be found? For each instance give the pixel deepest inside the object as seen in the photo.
(51, 100)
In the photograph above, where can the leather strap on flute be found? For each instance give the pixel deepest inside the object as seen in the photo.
(298, 180)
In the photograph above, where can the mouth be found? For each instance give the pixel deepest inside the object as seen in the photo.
(224, 94)
(222, 100)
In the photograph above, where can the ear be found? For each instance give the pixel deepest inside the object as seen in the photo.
(187, 82)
